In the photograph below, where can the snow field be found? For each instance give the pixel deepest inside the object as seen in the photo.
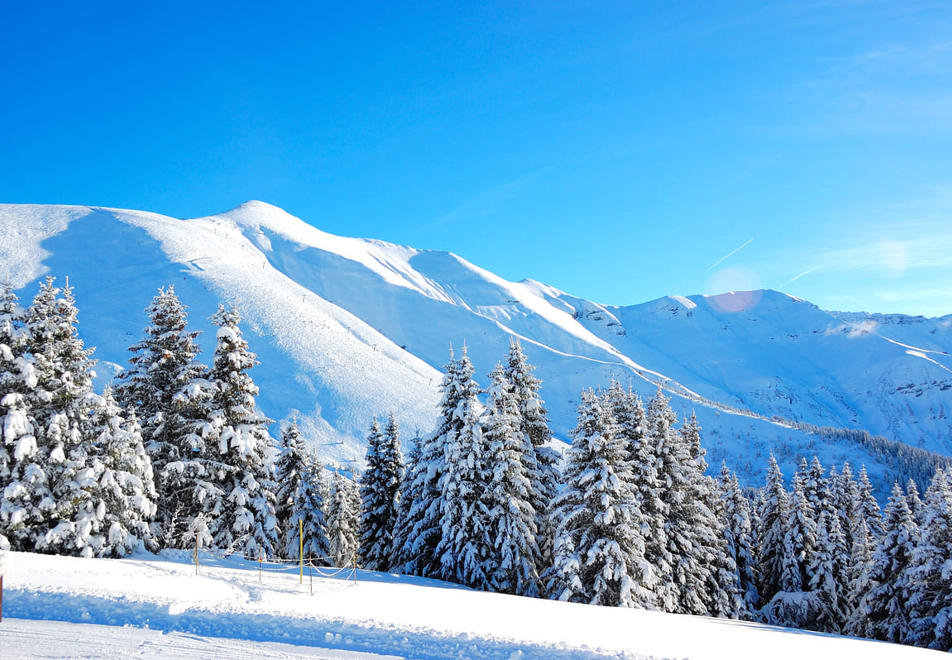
(380, 614)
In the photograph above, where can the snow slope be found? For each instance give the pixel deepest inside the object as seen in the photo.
(379, 614)
(347, 328)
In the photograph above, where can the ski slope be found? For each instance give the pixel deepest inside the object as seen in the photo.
(150, 606)
(347, 328)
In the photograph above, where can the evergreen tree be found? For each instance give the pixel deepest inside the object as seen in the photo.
(239, 447)
(914, 502)
(299, 507)
(380, 496)
(824, 572)
(23, 480)
(869, 506)
(465, 539)
(408, 496)
(641, 455)
(771, 533)
(124, 489)
(600, 547)
(168, 389)
(61, 407)
(884, 613)
(544, 475)
(425, 510)
(738, 532)
(671, 457)
(929, 576)
(343, 521)
(511, 460)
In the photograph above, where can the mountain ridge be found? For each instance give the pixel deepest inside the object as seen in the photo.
(350, 327)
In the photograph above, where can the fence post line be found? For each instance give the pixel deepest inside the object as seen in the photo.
(260, 555)
(301, 547)
(196, 553)
(355, 569)
(310, 573)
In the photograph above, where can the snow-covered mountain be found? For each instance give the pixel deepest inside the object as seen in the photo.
(346, 328)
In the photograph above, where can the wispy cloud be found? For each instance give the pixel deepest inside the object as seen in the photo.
(729, 254)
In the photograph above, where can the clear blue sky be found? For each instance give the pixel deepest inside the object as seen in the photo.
(618, 151)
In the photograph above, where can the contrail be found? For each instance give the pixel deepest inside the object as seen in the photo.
(797, 277)
(729, 254)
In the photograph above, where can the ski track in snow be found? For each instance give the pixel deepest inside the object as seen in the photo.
(158, 605)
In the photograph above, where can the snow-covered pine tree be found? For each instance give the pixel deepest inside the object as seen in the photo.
(600, 557)
(167, 387)
(61, 406)
(465, 540)
(884, 611)
(300, 499)
(23, 479)
(343, 521)
(533, 421)
(510, 460)
(824, 573)
(408, 495)
(707, 563)
(671, 456)
(380, 496)
(915, 503)
(640, 447)
(929, 576)
(240, 448)
(424, 514)
(738, 532)
(774, 509)
(869, 506)
(124, 482)
(859, 565)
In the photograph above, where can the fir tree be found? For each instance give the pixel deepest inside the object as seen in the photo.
(883, 613)
(240, 448)
(510, 458)
(124, 487)
(738, 532)
(168, 389)
(771, 532)
(641, 451)
(929, 576)
(61, 407)
(300, 503)
(408, 496)
(380, 496)
(343, 521)
(423, 519)
(868, 505)
(544, 475)
(600, 547)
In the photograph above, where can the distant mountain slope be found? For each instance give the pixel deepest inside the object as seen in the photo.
(346, 328)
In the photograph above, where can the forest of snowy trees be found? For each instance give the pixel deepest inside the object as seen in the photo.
(177, 455)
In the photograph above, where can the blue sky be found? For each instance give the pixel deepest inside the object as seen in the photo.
(619, 151)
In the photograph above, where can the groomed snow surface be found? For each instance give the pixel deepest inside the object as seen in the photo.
(156, 606)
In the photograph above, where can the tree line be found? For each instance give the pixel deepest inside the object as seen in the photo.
(178, 456)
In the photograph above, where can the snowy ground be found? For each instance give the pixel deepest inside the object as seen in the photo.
(151, 606)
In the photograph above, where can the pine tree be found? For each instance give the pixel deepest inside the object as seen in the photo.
(738, 532)
(671, 456)
(929, 576)
(465, 540)
(600, 556)
(61, 406)
(425, 510)
(23, 479)
(124, 486)
(408, 496)
(914, 502)
(544, 475)
(869, 506)
(380, 496)
(343, 521)
(240, 448)
(510, 460)
(772, 532)
(884, 613)
(168, 389)
(641, 451)
(300, 503)
(824, 574)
